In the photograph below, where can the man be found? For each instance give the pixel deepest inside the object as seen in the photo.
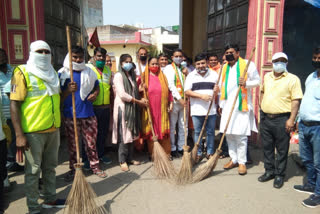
(35, 113)
(3, 159)
(242, 121)
(5, 85)
(174, 74)
(187, 63)
(86, 88)
(280, 99)
(108, 62)
(199, 87)
(309, 134)
(102, 103)
(142, 58)
(163, 61)
(214, 63)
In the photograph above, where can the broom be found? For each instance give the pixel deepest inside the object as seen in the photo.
(185, 174)
(162, 165)
(196, 146)
(209, 166)
(81, 198)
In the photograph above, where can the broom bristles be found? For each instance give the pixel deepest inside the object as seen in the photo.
(163, 167)
(194, 153)
(205, 169)
(81, 198)
(185, 174)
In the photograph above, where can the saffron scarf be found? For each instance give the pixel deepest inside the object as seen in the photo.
(216, 68)
(243, 93)
(177, 81)
(165, 125)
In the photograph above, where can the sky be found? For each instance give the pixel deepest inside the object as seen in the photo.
(151, 13)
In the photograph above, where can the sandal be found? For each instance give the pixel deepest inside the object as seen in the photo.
(100, 173)
(124, 167)
(135, 163)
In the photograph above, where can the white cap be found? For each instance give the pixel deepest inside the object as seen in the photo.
(279, 55)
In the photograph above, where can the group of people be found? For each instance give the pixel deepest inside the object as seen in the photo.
(38, 95)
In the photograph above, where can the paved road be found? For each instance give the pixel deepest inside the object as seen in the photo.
(140, 192)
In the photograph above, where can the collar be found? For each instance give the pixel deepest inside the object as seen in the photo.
(315, 75)
(284, 74)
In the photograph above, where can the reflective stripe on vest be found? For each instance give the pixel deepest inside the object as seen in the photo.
(39, 111)
(104, 84)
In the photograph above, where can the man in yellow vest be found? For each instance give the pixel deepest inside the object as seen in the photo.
(35, 113)
(102, 103)
(242, 121)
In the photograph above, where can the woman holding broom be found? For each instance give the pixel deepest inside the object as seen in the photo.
(127, 112)
(160, 102)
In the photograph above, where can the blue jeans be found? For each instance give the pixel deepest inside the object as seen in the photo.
(309, 146)
(103, 118)
(211, 123)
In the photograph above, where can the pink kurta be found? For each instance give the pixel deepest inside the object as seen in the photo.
(119, 102)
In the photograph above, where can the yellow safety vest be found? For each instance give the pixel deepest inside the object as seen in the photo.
(39, 111)
(104, 84)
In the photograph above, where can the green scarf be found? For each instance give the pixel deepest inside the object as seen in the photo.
(132, 114)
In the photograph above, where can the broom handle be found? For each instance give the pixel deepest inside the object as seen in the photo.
(235, 99)
(73, 97)
(148, 108)
(210, 106)
(185, 115)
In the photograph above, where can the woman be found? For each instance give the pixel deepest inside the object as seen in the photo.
(160, 102)
(127, 114)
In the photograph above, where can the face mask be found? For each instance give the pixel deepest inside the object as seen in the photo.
(100, 63)
(42, 61)
(177, 60)
(230, 57)
(127, 66)
(143, 58)
(78, 66)
(279, 67)
(316, 64)
(154, 69)
(184, 64)
(202, 71)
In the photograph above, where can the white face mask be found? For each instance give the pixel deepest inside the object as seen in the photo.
(279, 67)
(202, 71)
(177, 60)
(184, 64)
(42, 61)
(78, 66)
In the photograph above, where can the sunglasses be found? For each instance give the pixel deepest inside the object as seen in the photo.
(43, 51)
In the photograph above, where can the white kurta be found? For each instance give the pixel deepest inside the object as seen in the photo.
(241, 123)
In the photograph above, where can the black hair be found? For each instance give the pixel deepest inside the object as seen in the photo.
(101, 50)
(316, 50)
(177, 50)
(151, 59)
(162, 55)
(142, 48)
(234, 46)
(200, 56)
(213, 55)
(77, 49)
(189, 60)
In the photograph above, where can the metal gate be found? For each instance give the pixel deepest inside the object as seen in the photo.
(227, 23)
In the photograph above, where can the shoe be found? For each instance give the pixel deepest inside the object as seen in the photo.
(124, 167)
(278, 182)
(14, 167)
(174, 154)
(59, 203)
(100, 173)
(266, 177)
(304, 188)
(69, 176)
(86, 166)
(242, 169)
(105, 160)
(134, 162)
(180, 153)
(230, 165)
(312, 202)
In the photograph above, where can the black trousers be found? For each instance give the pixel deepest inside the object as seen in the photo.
(274, 136)
(3, 169)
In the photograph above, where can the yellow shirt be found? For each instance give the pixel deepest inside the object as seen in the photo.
(19, 92)
(278, 92)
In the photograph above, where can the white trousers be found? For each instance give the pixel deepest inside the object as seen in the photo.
(237, 148)
(176, 116)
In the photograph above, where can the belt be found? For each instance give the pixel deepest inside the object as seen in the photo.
(272, 116)
(310, 123)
